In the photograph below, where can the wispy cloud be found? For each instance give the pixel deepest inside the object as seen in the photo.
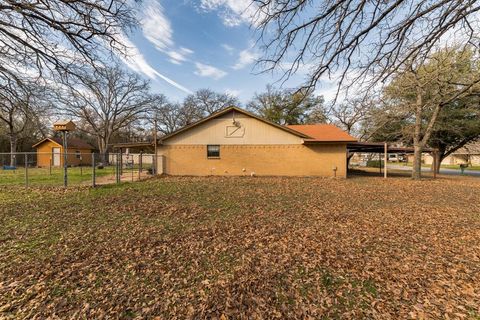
(245, 58)
(232, 12)
(178, 56)
(228, 48)
(233, 92)
(158, 30)
(205, 70)
(136, 61)
(156, 27)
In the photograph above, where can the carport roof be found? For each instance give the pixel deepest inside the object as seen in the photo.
(379, 147)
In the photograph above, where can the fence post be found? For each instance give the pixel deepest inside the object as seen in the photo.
(26, 170)
(118, 162)
(65, 164)
(93, 170)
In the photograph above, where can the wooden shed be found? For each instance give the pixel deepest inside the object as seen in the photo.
(50, 152)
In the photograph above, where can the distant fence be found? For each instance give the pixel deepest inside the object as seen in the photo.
(58, 169)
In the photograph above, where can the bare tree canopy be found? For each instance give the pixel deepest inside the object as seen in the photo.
(54, 34)
(205, 102)
(355, 41)
(20, 108)
(108, 100)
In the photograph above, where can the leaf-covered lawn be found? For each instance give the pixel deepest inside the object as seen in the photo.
(234, 248)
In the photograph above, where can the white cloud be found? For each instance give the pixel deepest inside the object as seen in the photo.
(178, 56)
(233, 92)
(156, 27)
(136, 61)
(158, 30)
(205, 70)
(232, 12)
(228, 48)
(246, 58)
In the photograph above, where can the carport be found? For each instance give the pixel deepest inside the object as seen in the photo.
(385, 149)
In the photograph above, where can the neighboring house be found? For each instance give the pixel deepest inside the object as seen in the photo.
(50, 152)
(468, 154)
(236, 142)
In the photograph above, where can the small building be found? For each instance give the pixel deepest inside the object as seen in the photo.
(468, 154)
(50, 152)
(236, 142)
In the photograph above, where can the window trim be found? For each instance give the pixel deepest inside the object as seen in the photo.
(212, 156)
(78, 154)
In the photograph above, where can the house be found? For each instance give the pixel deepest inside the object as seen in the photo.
(50, 152)
(236, 142)
(468, 154)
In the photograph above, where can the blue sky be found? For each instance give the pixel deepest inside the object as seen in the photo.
(186, 45)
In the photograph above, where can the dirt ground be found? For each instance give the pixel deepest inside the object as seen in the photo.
(243, 248)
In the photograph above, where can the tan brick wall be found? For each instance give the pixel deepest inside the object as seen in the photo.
(280, 160)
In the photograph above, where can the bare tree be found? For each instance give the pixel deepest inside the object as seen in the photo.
(351, 114)
(20, 107)
(56, 34)
(204, 102)
(356, 41)
(168, 115)
(108, 100)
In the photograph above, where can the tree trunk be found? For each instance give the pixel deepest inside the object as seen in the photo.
(417, 162)
(103, 154)
(102, 148)
(349, 157)
(417, 144)
(13, 149)
(438, 158)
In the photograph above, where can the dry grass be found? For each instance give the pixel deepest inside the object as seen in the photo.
(243, 248)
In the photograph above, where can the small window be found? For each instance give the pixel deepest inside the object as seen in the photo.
(213, 151)
(77, 154)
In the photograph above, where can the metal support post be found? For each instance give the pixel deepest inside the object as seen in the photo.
(385, 159)
(65, 147)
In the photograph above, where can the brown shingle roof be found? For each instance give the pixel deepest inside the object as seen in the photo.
(323, 132)
(73, 143)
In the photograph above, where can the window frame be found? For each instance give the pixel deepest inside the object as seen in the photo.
(78, 154)
(217, 153)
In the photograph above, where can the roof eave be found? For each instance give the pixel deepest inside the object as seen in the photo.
(44, 140)
(315, 141)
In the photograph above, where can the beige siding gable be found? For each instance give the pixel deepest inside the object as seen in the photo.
(224, 131)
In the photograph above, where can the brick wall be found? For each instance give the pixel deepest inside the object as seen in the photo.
(271, 160)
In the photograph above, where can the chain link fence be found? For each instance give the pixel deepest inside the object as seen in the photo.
(73, 169)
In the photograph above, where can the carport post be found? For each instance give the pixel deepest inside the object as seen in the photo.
(385, 158)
